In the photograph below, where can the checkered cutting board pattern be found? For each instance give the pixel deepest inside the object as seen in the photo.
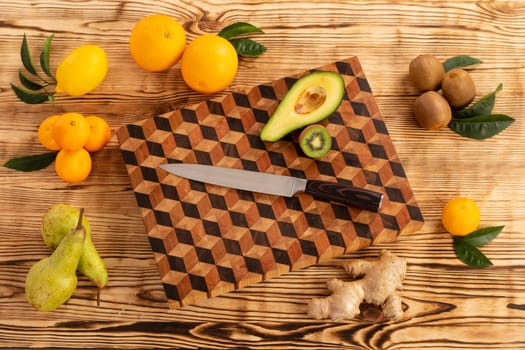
(209, 240)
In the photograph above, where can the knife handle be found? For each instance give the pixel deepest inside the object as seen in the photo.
(354, 196)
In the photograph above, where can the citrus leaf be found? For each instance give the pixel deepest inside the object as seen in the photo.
(26, 56)
(44, 55)
(237, 29)
(469, 254)
(28, 96)
(481, 127)
(461, 61)
(482, 107)
(31, 163)
(248, 47)
(483, 236)
(51, 98)
(27, 83)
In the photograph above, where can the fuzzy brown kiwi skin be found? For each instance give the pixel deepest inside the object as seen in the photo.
(426, 72)
(307, 132)
(432, 110)
(458, 87)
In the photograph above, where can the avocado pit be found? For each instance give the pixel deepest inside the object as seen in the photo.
(310, 100)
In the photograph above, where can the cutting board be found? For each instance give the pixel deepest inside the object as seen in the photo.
(208, 240)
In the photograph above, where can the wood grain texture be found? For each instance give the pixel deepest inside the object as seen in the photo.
(447, 305)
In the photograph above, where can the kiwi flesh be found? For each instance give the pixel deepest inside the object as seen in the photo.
(315, 141)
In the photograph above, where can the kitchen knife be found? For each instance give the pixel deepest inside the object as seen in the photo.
(280, 185)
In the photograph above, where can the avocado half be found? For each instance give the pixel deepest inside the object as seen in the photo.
(311, 99)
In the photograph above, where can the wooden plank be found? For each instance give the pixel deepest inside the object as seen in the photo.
(447, 304)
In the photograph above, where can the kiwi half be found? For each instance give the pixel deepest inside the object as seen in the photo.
(315, 141)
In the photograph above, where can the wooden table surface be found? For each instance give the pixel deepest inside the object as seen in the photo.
(448, 305)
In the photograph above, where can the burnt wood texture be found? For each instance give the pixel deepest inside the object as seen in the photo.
(446, 304)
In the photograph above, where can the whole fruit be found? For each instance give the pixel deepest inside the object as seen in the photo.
(460, 216)
(51, 281)
(458, 87)
(432, 111)
(71, 131)
(56, 223)
(209, 63)
(82, 70)
(426, 72)
(44, 133)
(73, 166)
(99, 135)
(157, 42)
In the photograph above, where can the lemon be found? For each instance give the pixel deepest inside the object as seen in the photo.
(82, 70)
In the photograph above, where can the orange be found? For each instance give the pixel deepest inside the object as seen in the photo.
(209, 63)
(73, 166)
(71, 131)
(156, 42)
(44, 133)
(460, 216)
(99, 135)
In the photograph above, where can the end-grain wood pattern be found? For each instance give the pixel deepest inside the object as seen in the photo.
(209, 240)
(447, 305)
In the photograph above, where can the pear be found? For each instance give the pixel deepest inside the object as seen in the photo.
(60, 219)
(51, 281)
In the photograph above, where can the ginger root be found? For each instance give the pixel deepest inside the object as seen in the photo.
(381, 279)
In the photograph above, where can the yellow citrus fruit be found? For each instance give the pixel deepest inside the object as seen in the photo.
(460, 216)
(99, 135)
(73, 166)
(44, 133)
(71, 131)
(82, 70)
(209, 63)
(156, 42)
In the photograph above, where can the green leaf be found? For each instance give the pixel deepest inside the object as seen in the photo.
(28, 96)
(482, 107)
(26, 56)
(237, 29)
(469, 254)
(44, 56)
(461, 61)
(27, 83)
(481, 127)
(248, 47)
(51, 98)
(483, 236)
(31, 163)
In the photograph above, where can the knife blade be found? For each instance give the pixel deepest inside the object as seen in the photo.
(280, 185)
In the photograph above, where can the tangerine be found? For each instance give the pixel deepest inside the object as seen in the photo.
(73, 166)
(460, 216)
(82, 70)
(209, 63)
(71, 131)
(99, 135)
(44, 133)
(157, 42)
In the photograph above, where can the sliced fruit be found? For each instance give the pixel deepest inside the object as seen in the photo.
(315, 141)
(311, 99)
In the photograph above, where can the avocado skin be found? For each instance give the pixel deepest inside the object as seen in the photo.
(285, 120)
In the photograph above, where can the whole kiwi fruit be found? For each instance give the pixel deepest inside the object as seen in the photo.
(426, 72)
(458, 87)
(432, 110)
